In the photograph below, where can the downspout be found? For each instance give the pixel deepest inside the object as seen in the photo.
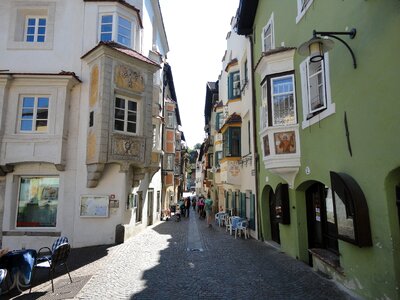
(256, 156)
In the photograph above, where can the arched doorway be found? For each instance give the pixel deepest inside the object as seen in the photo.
(274, 221)
(321, 224)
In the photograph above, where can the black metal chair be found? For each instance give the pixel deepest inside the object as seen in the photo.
(57, 258)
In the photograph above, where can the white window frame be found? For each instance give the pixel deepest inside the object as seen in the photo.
(115, 34)
(36, 29)
(293, 92)
(35, 114)
(264, 106)
(170, 120)
(329, 108)
(302, 7)
(270, 36)
(126, 112)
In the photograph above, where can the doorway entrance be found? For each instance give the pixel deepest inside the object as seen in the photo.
(321, 225)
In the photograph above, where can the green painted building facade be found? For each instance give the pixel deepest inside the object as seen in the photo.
(329, 137)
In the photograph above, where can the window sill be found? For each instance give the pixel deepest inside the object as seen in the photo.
(327, 257)
(31, 233)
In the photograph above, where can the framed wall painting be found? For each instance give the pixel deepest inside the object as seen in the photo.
(94, 206)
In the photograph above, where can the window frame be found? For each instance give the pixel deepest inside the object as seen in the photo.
(269, 25)
(302, 7)
(115, 28)
(267, 107)
(35, 118)
(229, 140)
(234, 85)
(126, 115)
(36, 27)
(310, 118)
(218, 156)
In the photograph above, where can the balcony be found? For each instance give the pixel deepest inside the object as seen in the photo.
(281, 151)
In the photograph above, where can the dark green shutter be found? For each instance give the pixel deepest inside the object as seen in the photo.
(243, 205)
(252, 224)
(230, 86)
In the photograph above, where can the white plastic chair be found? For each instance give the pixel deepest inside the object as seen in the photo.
(242, 226)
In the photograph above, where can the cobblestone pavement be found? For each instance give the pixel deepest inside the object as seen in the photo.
(186, 260)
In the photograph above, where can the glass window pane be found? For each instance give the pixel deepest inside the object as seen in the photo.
(40, 38)
(31, 22)
(27, 113)
(28, 102)
(132, 116)
(119, 125)
(26, 125)
(30, 30)
(106, 28)
(41, 125)
(42, 22)
(41, 30)
(124, 32)
(124, 22)
(43, 102)
(105, 37)
(120, 103)
(30, 38)
(132, 105)
(107, 19)
(42, 114)
(131, 127)
(119, 114)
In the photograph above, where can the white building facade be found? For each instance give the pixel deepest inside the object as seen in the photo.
(80, 98)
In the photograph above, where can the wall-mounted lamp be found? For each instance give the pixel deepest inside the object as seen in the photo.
(319, 44)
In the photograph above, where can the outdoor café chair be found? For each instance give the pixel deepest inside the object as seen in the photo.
(57, 258)
(242, 226)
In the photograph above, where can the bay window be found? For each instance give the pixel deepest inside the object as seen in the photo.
(234, 85)
(116, 28)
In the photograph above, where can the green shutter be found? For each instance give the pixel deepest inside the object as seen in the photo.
(234, 200)
(230, 86)
(243, 205)
(226, 200)
(252, 224)
(217, 121)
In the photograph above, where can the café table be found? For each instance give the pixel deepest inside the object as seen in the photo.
(19, 265)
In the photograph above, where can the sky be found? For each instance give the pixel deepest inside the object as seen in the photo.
(196, 33)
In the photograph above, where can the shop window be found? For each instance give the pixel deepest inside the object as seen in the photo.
(351, 210)
(37, 202)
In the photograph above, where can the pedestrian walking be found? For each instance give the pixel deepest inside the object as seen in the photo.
(208, 203)
(187, 207)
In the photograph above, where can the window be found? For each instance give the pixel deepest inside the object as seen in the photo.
(267, 37)
(302, 7)
(35, 29)
(219, 121)
(169, 163)
(34, 114)
(121, 34)
(31, 25)
(234, 85)
(124, 31)
(316, 89)
(218, 157)
(125, 115)
(283, 101)
(170, 120)
(232, 142)
(37, 202)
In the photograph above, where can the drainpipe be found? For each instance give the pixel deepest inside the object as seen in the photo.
(256, 156)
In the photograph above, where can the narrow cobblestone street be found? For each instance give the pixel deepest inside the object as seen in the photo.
(186, 260)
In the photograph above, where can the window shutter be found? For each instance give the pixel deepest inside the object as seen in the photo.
(304, 87)
(217, 121)
(226, 200)
(234, 200)
(252, 224)
(230, 86)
